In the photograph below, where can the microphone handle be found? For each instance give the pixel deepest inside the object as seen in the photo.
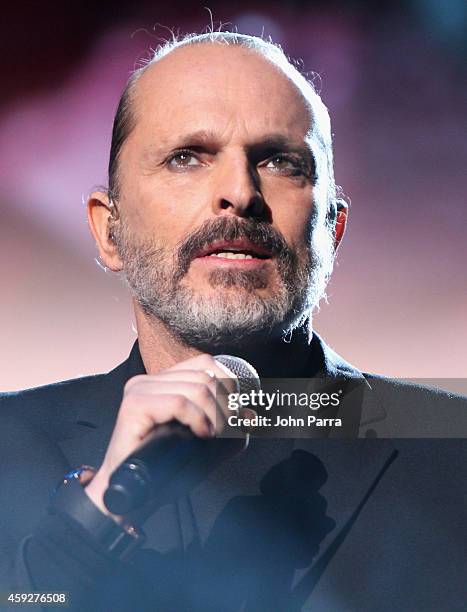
(168, 465)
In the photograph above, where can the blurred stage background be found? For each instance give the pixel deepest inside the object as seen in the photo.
(393, 80)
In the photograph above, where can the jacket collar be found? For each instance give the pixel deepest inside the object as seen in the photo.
(334, 366)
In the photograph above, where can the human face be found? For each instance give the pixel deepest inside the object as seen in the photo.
(219, 196)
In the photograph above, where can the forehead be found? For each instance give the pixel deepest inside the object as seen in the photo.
(232, 91)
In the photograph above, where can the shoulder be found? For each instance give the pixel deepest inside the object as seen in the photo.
(393, 390)
(45, 404)
(54, 408)
(387, 390)
(44, 394)
(68, 392)
(65, 394)
(410, 410)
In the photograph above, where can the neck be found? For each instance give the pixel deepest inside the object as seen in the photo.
(272, 358)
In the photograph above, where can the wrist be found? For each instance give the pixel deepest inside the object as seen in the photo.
(95, 489)
(71, 498)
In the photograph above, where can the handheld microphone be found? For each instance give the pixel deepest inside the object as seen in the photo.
(172, 459)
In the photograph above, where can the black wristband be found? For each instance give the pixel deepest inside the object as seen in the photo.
(118, 540)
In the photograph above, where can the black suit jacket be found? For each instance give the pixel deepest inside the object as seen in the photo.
(307, 524)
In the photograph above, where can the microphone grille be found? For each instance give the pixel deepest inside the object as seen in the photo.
(246, 374)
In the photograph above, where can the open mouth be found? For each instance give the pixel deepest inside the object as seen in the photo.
(234, 250)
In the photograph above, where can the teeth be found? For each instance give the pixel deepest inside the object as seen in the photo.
(230, 255)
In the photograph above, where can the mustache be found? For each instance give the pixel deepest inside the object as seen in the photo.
(257, 231)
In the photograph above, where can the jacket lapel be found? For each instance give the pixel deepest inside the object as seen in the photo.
(370, 410)
(355, 468)
(92, 412)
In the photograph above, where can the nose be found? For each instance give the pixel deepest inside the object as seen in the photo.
(236, 189)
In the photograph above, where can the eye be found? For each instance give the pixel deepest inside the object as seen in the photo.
(183, 159)
(285, 164)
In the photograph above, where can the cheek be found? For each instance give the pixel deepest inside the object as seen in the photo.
(157, 203)
(293, 214)
(165, 211)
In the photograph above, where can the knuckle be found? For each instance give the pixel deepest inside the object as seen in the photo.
(133, 428)
(203, 392)
(199, 419)
(131, 382)
(203, 421)
(206, 361)
(180, 405)
(125, 407)
(206, 378)
(131, 402)
(135, 406)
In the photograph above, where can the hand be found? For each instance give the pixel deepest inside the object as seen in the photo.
(193, 392)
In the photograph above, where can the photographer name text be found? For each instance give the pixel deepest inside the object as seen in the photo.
(311, 420)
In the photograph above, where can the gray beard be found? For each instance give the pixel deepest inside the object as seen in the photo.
(236, 315)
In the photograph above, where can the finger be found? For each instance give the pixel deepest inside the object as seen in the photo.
(247, 414)
(145, 412)
(138, 417)
(191, 383)
(144, 397)
(147, 382)
(207, 362)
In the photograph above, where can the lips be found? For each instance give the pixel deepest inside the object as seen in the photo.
(235, 249)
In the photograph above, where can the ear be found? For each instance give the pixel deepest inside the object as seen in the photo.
(342, 212)
(100, 213)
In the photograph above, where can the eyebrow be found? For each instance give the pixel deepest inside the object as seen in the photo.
(270, 143)
(279, 142)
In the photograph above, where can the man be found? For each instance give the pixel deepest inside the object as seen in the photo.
(222, 215)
